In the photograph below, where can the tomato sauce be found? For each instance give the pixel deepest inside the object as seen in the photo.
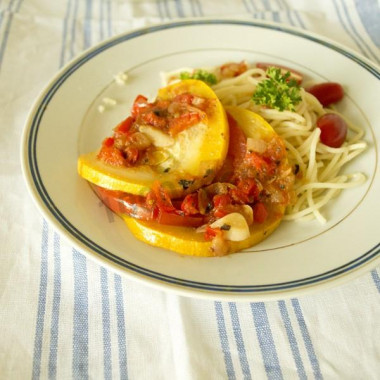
(128, 146)
(262, 181)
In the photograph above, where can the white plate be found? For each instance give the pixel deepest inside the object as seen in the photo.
(65, 122)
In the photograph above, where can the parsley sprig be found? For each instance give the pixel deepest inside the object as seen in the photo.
(278, 91)
(202, 75)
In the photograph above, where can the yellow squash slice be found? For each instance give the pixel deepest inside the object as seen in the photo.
(185, 240)
(193, 155)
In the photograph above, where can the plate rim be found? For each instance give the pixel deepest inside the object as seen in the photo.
(347, 271)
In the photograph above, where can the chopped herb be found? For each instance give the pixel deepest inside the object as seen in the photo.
(296, 168)
(166, 170)
(278, 91)
(185, 183)
(225, 227)
(202, 75)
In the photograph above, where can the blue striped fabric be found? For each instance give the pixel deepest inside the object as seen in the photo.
(369, 13)
(41, 303)
(223, 336)
(107, 347)
(267, 346)
(80, 320)
(292, 340)
(239, 341)
(307, 339)
(273, 340)
(121, 334)
(56, 304)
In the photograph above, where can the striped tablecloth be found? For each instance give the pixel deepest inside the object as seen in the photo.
(63, 316)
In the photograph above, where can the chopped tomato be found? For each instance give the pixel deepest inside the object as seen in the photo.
(210, 233)
(161, 197)
(186, 98)
(257, 161)
(111, 155)
(152, 118)
(222, 205)
(139, 104)
(260, 213)
(109, 141)
(221, 200)
(137, 207)
(125, 125)
(132, 154)
(190, 204)
(230, 70)
(249, 187)
(183, 122)
(246, 191)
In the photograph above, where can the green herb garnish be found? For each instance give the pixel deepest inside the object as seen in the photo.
(202, 75)
(278, 91)
(225, 227)
(185, 183)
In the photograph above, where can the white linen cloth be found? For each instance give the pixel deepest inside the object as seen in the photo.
(63, 316)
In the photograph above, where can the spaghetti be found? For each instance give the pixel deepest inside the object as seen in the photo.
(318, 167)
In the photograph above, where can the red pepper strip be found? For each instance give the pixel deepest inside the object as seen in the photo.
(180, 220)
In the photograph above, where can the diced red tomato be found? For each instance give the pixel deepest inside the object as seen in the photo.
(108, 142)
(132, 154)
(258, 162)
(111, 156)
(221, 200)
(125, 125)
(333, 130)
(190, 204)
(296, 75)
(260, 213)
(210, 233)
(152, 119)
(186, 98)
(183, 122)
(136, 207)
(247, 191)
(327, 93)
(222, 205)
(139, 104)
(233, 69)
(162, 198)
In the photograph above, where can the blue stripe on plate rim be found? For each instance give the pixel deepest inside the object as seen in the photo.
(75, 233)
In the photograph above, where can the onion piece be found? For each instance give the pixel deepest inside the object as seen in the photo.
(234, 226)
(256, 145)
